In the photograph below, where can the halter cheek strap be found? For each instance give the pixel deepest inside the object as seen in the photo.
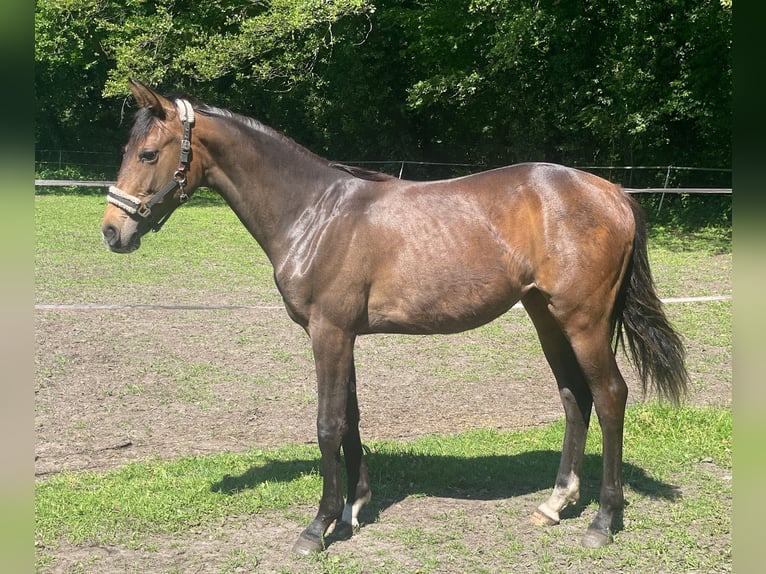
(135, 206)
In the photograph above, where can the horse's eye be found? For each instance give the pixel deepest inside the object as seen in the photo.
(147, 155)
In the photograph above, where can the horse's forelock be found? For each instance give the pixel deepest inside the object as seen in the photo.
(142, 124)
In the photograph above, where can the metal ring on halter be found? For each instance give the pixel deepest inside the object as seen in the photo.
(180, 177)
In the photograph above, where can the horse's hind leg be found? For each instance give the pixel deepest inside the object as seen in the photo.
(577, 346)
(577, 400)
(610, 394)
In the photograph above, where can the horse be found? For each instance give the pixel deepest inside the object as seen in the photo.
(356, 252)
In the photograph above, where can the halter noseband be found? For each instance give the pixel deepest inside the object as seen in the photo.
(143, 209)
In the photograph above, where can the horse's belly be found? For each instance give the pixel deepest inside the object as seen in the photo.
(425, 304)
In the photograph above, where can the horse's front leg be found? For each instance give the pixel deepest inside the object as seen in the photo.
(333, 355)
(359, 492)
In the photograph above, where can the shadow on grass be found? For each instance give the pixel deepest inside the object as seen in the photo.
(394, 477)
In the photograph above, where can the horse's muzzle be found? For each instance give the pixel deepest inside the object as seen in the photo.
(114, 239)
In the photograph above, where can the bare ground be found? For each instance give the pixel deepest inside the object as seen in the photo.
(120, 386)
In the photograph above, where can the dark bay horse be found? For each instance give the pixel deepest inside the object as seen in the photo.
(356, 252)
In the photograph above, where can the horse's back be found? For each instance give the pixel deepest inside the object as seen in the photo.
(526, 207)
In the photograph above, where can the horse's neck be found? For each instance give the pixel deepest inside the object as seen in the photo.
(269, 186)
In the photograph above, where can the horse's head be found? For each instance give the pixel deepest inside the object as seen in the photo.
(157, 172)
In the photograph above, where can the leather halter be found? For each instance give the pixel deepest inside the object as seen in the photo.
(133, 205)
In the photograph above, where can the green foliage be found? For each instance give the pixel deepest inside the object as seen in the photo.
(485, 82)
(273, 43)
(609, 82)
(87, 49)
(689, 212)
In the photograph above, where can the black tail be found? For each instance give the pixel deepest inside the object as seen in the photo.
(655, 347)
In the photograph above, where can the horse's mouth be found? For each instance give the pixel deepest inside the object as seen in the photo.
(124, 248)
(120, 247)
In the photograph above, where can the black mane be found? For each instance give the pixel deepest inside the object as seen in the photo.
(142, 124)
(362, 173)
(145, 117)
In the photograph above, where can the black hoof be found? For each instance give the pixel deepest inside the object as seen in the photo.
(596, 538)
(306, 546)
(342, 531)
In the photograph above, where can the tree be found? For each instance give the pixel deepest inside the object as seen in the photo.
(610, 81)
(86, 49)
(486, 82)
(70, 68)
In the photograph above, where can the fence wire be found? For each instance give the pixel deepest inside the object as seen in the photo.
(65, 168)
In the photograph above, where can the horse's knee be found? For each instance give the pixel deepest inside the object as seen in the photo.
(330, 433)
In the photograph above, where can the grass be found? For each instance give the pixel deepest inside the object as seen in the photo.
(170, 497)
(676, 471)
(202, 255)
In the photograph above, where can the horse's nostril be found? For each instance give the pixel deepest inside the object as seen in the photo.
(110, 234)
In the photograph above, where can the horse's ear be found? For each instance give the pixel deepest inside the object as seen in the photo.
(148, 98)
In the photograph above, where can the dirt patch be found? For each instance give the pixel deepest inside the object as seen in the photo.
(119, 386)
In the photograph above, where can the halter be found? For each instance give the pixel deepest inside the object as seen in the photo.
(143, 209)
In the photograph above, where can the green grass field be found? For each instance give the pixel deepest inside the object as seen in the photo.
(678, 472)
(677, 468)
(203, 254)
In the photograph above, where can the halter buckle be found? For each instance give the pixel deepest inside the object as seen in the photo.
(180, 177)
(143, 210)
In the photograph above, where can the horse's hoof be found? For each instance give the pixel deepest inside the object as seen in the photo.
(343, 531)
(307, 546)
(540, 518)
(596, 538)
